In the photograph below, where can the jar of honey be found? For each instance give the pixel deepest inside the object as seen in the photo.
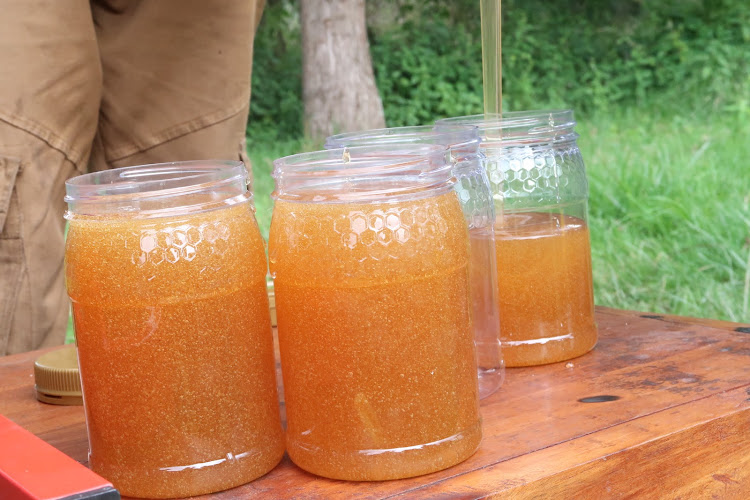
(370, 258)
(166, 271)
(473, 190)
(539, 184)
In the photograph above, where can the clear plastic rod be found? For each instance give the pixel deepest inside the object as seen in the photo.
(492, 67)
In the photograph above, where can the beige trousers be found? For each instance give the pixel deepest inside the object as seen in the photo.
(95, 85)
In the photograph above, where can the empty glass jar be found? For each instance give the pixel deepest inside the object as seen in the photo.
(539, 185)
(474, 194)
(370, 258)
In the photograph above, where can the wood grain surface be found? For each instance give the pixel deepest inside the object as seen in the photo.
(659, 409)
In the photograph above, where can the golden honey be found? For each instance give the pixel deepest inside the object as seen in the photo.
(476, 200)
(376, 336)
(545, 288)
(175, 348)
(538, 181)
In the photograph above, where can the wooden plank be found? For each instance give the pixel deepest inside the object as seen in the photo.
(651, 367)
(690, 451)
(673, 385)
(713, 323)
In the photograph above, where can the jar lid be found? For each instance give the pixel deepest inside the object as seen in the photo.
(57, 379)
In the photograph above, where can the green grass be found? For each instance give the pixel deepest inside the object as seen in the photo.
(669, 210)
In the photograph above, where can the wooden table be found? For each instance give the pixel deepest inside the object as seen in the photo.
(661, 408)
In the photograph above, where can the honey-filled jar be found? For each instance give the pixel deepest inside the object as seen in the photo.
(370, 258)
(545, 286)
(166, 271)
(472, 187)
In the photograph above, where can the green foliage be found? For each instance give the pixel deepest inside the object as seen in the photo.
(423, 72)
(276, 103)
(588, 55)
(596, 55)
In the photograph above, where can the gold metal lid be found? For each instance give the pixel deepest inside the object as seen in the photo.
(57, 379)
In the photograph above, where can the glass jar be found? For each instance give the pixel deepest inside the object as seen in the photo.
(166, 269)
(474, 194)
(539, 184)
(370, 259)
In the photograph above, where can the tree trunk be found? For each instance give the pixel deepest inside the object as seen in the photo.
(337, 79)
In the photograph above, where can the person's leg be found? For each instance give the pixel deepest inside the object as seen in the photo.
(50, 89)
(176, 80)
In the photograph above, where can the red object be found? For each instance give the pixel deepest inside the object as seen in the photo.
(31, 469)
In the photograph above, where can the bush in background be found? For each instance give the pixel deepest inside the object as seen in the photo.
(427, 70)
(591, 55)
(276, 103)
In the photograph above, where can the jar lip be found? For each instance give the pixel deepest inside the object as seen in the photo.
(454, 136)
(157, 190)
(524, 127)
(363, 173)
(362, 161)
(154, 179)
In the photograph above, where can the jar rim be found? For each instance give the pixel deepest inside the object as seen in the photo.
(453, 136)
(158, 189)
(361, 160)
(152, 178)
(520, 127)
(362, 173)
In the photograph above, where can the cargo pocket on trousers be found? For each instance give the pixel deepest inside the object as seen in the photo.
(12, 259)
